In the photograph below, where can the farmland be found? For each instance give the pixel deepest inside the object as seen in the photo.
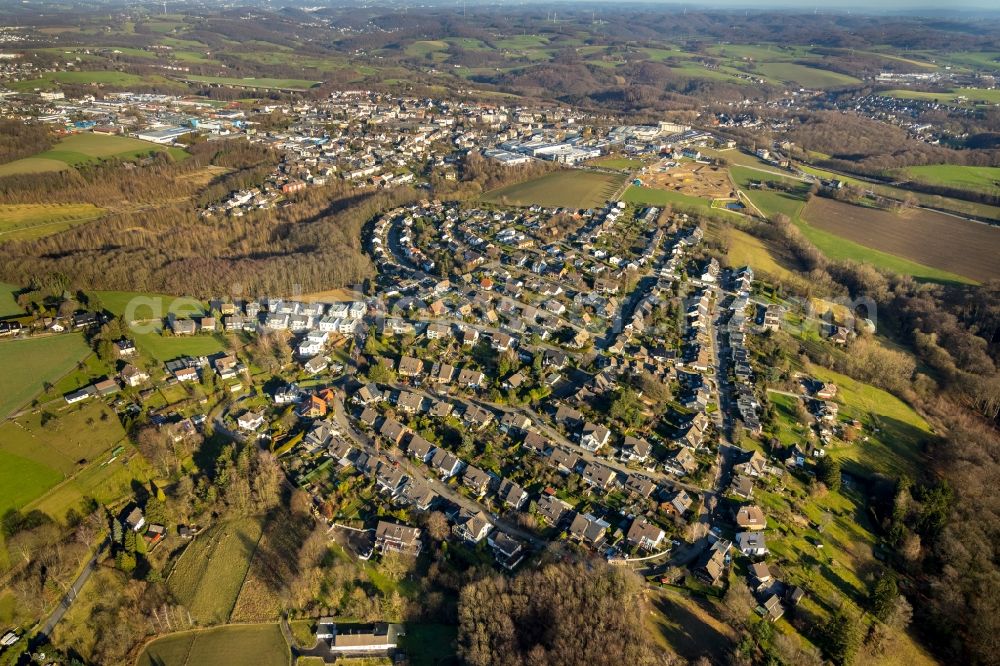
(888, 240)
(249, 82)
(565, 188)
(209, 574)
(971, 96)
(262, 644)
(805, 76)
(81, 149)
(935, 201)
(53, 79)
(29, 364)
(26, 221)
(959, 247)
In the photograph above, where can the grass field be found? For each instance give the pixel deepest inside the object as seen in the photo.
(24, 221)
(104, 480)
(765, 258)
(566, 188)
(209, 574)
(429, 644)
(53, 79)
(805, 76)
(894, 446)
(772, 201)
(30, 165)
(36, 458)
(622, 163)
(23, 480)
(690, 627)
(948, 246)
(28, 364)
(283, 84)
(655, 197)
(147, 305)
(8, 304)
(82, 149)
(166, 347)
(258, 644)
(972, 95)
(976, 179)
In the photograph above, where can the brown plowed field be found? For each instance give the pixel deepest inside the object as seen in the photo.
(927, 237)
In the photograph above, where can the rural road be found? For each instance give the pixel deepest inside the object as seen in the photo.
(73, 591)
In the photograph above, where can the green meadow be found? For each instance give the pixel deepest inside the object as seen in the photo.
(30, 364)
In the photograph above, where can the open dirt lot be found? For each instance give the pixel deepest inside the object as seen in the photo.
(690, 178)
(930, 238)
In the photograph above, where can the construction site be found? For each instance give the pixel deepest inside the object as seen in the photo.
(690, 178)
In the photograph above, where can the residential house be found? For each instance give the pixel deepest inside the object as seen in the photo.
(477, 417)
(472, 527)
(364, 639)
(389, 479)
(594, 436)
(135, 520)
(750, 517)
(644, 534)
(133, 376)
(392, 431)
(751, 544)
(250, 421)
(183, 327)
(587, 528)
(476, 480)
(742, 487)
(639, 486)
(598, 476)
(771, 609)
(513, 422)
(410, 367)
(409, 402)
(564, 460)
(679, 503)
(508, 551)
(536, 443)
(512, 494)
(471, 378)
(442, 373)
(419, 448)
(367, 395)
(445, 464)
(635, 450)
(711, 567)
(394, 538)
(552, 509)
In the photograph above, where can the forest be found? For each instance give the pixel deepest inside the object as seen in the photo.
(562, 614)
